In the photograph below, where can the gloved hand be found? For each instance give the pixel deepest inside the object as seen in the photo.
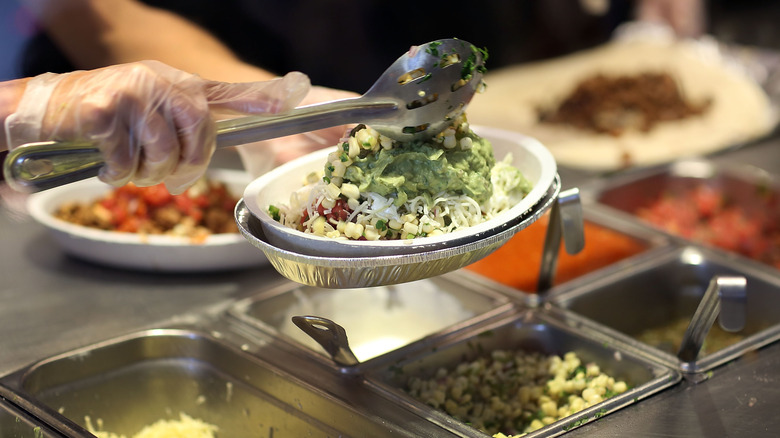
(152, 122)
(262, 156)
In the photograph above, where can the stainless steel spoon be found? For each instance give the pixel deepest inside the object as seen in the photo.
(417, 97)
(331, 337)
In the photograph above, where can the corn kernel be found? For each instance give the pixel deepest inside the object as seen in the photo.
(449, 141)
(339, 168)
(350, 190)
(332, 191)
(354, 147)
(353, 230)
(328, 203)
(366, 138)
(549, 408)
(371, 233)
(318, 226)
(386, 142)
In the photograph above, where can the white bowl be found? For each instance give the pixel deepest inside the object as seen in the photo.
(275, 187)
(159, 253)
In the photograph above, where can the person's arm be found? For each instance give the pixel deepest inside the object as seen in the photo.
(98, 33)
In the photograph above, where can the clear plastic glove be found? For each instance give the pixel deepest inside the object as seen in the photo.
(262, 156)
(152, 122)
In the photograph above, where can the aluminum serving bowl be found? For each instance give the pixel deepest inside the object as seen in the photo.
(275, 187)
(154, 253)
(380, 270)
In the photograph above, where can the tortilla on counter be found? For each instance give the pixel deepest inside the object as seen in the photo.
(740, 111)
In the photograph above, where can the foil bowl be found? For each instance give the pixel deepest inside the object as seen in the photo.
(353, 272)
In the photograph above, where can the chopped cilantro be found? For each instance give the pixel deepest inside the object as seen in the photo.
(381, 225)
(274, 212)
(433, 48)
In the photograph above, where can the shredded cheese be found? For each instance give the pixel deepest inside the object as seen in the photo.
(184, 427)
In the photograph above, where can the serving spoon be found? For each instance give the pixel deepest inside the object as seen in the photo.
(417, 97)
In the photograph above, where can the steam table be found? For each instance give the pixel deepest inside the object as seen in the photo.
(51, 303)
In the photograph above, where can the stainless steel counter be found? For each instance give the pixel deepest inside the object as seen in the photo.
(51, 303)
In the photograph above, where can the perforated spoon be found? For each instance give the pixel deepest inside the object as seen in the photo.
(417, 97)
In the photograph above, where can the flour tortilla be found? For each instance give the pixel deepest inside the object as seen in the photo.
(740, 109)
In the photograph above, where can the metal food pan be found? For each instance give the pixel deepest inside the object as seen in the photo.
(136, 380)
(16, 423)
(608, 242)
(377, 320)
(534, 330)
(663, 291)
(744, 188)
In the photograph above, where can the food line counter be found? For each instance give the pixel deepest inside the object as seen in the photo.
(51, 303)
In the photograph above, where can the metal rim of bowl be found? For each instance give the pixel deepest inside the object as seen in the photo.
(349, 272)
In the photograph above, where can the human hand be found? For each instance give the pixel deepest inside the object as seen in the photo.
(684, 17)
(152, 122)
(262, 156)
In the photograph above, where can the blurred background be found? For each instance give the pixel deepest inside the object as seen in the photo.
(26, 51)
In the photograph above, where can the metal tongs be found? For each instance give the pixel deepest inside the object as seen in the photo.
(417, 97)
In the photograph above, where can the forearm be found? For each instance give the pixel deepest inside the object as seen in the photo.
(97, 33)
(10, 94)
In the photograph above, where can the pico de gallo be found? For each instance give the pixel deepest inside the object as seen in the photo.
(704, 214)
(205, 208)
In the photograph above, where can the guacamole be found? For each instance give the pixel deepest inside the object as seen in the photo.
(426, 169)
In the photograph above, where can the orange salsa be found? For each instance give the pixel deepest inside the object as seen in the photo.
(517, 262)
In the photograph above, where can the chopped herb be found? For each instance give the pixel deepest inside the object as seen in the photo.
(433, 48)
(381, 225)
(274, 212)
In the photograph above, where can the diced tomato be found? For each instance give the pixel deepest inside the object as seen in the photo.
(156, 195)
(201, 201)
(132, 208)
(703, 214)
(131, 224)
(187, 205)
(340, 211)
